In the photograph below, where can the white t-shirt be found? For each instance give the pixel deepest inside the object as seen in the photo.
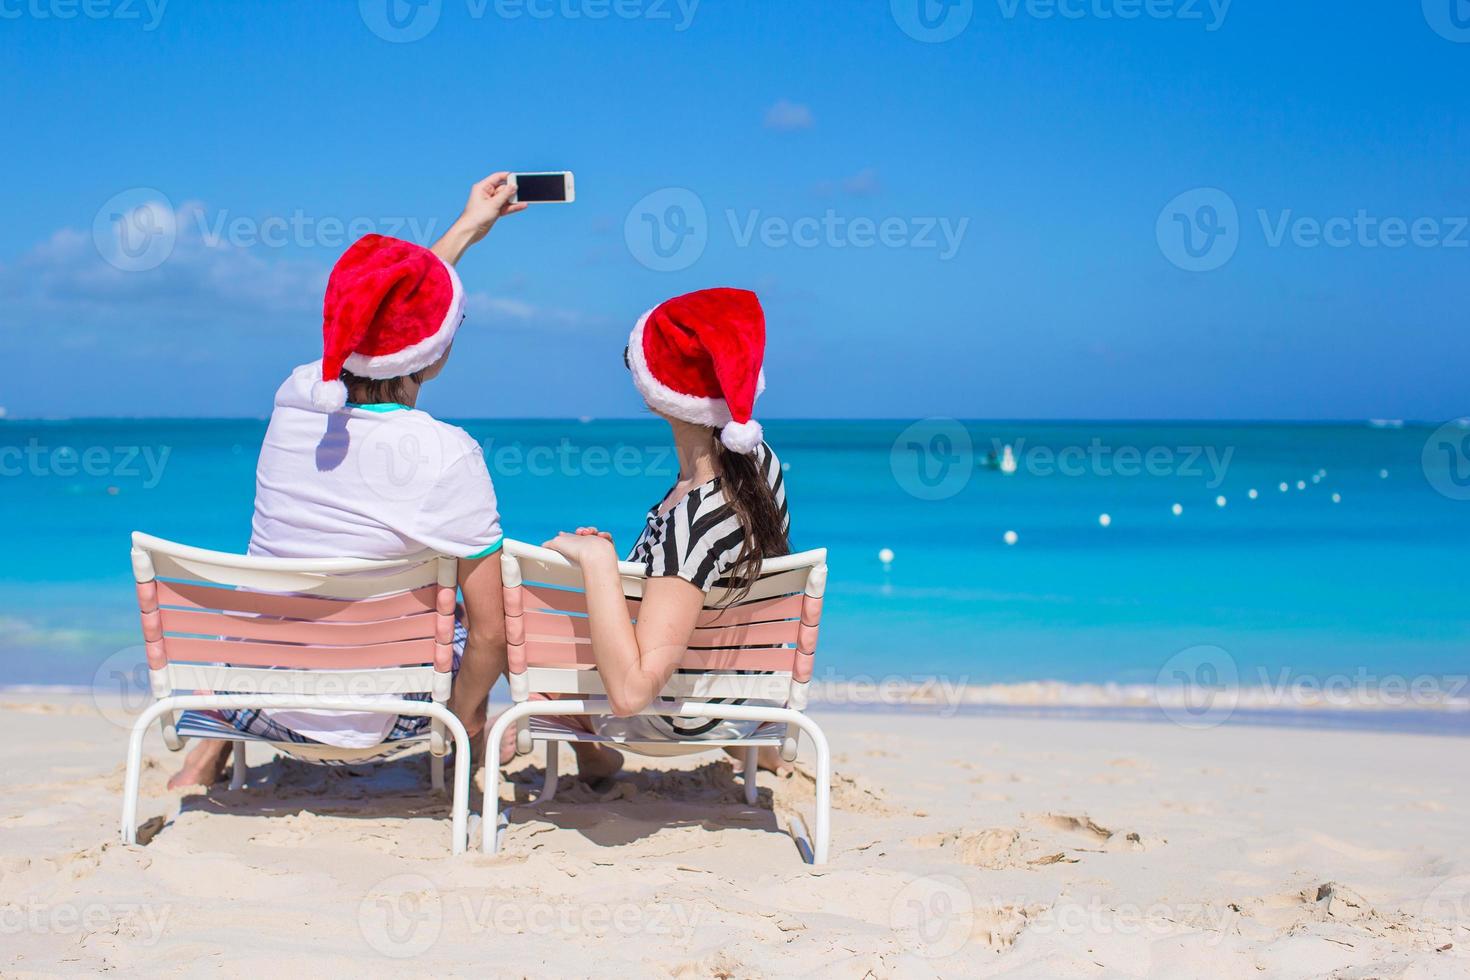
(371, 481)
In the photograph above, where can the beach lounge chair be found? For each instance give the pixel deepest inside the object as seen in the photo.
(334, 634)
(761, 649)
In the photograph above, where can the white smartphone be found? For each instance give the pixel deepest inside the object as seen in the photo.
(547, 187)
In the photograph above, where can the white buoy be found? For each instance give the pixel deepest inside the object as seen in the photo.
(1220, 500)
(1008, 461)
(1010, 537)
(885, 555)
(1105, 519)
(1383, 474)
(1252, 493)
(1316, 477)
(785, 467)
(1284, 488)
(1177, 509)
(1337, 498)
(1301, 484)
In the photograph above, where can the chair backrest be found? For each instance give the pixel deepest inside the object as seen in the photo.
(336, 627)
(773, 629)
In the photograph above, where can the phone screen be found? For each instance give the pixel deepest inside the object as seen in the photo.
(541, 187)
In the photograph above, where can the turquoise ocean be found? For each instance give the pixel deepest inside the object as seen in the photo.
(1354, 574)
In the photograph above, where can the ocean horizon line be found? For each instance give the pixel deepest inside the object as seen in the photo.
(898, 420)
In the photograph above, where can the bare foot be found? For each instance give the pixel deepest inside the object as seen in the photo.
(596, 762)
(768, 757)
(204, 766)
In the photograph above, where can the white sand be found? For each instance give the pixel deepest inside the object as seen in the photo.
(962, 847)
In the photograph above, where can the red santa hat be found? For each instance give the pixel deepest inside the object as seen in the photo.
(698, 358)
(392, 308)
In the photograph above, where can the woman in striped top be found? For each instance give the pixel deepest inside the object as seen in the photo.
(696, 360)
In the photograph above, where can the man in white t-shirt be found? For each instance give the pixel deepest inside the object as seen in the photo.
(350, 468)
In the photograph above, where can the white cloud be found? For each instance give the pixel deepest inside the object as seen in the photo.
(864, 183)
(786, 116)
(85, 283)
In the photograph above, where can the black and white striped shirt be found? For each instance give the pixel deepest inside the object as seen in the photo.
(700, 537)
(698, 540)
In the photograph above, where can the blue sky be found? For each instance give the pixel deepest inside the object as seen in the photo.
(988, 224)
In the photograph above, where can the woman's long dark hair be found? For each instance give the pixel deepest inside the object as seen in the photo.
(754, 502)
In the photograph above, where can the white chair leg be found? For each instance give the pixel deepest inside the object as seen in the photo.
(824, 796)
(553, 763)
(459, 806)
(436, 772)
(490, 815)
(239, 773)
(130, 781)
(752, 758)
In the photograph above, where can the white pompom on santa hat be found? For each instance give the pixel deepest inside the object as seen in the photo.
(392, 308)
(698, 358)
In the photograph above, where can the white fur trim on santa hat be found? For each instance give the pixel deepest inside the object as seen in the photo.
(329, 396)
(742, 437)
(691, 408)
(417, 356)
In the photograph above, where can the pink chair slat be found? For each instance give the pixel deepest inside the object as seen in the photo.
(553, 627)
(443, 630)
(561, 600)
(802, 671)
(444, 602)
(551, 654)
(760, 611)
(152, 625)
(811, 610)
(148, 595)
(515, 603)
(404, 653)
(515, 630)
(297, 607)
(157, 657)
(806, 639)
(211, 624)
(443, 657)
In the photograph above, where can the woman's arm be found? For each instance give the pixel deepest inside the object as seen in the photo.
(634, 662)
(489, 202)
(483, 660)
